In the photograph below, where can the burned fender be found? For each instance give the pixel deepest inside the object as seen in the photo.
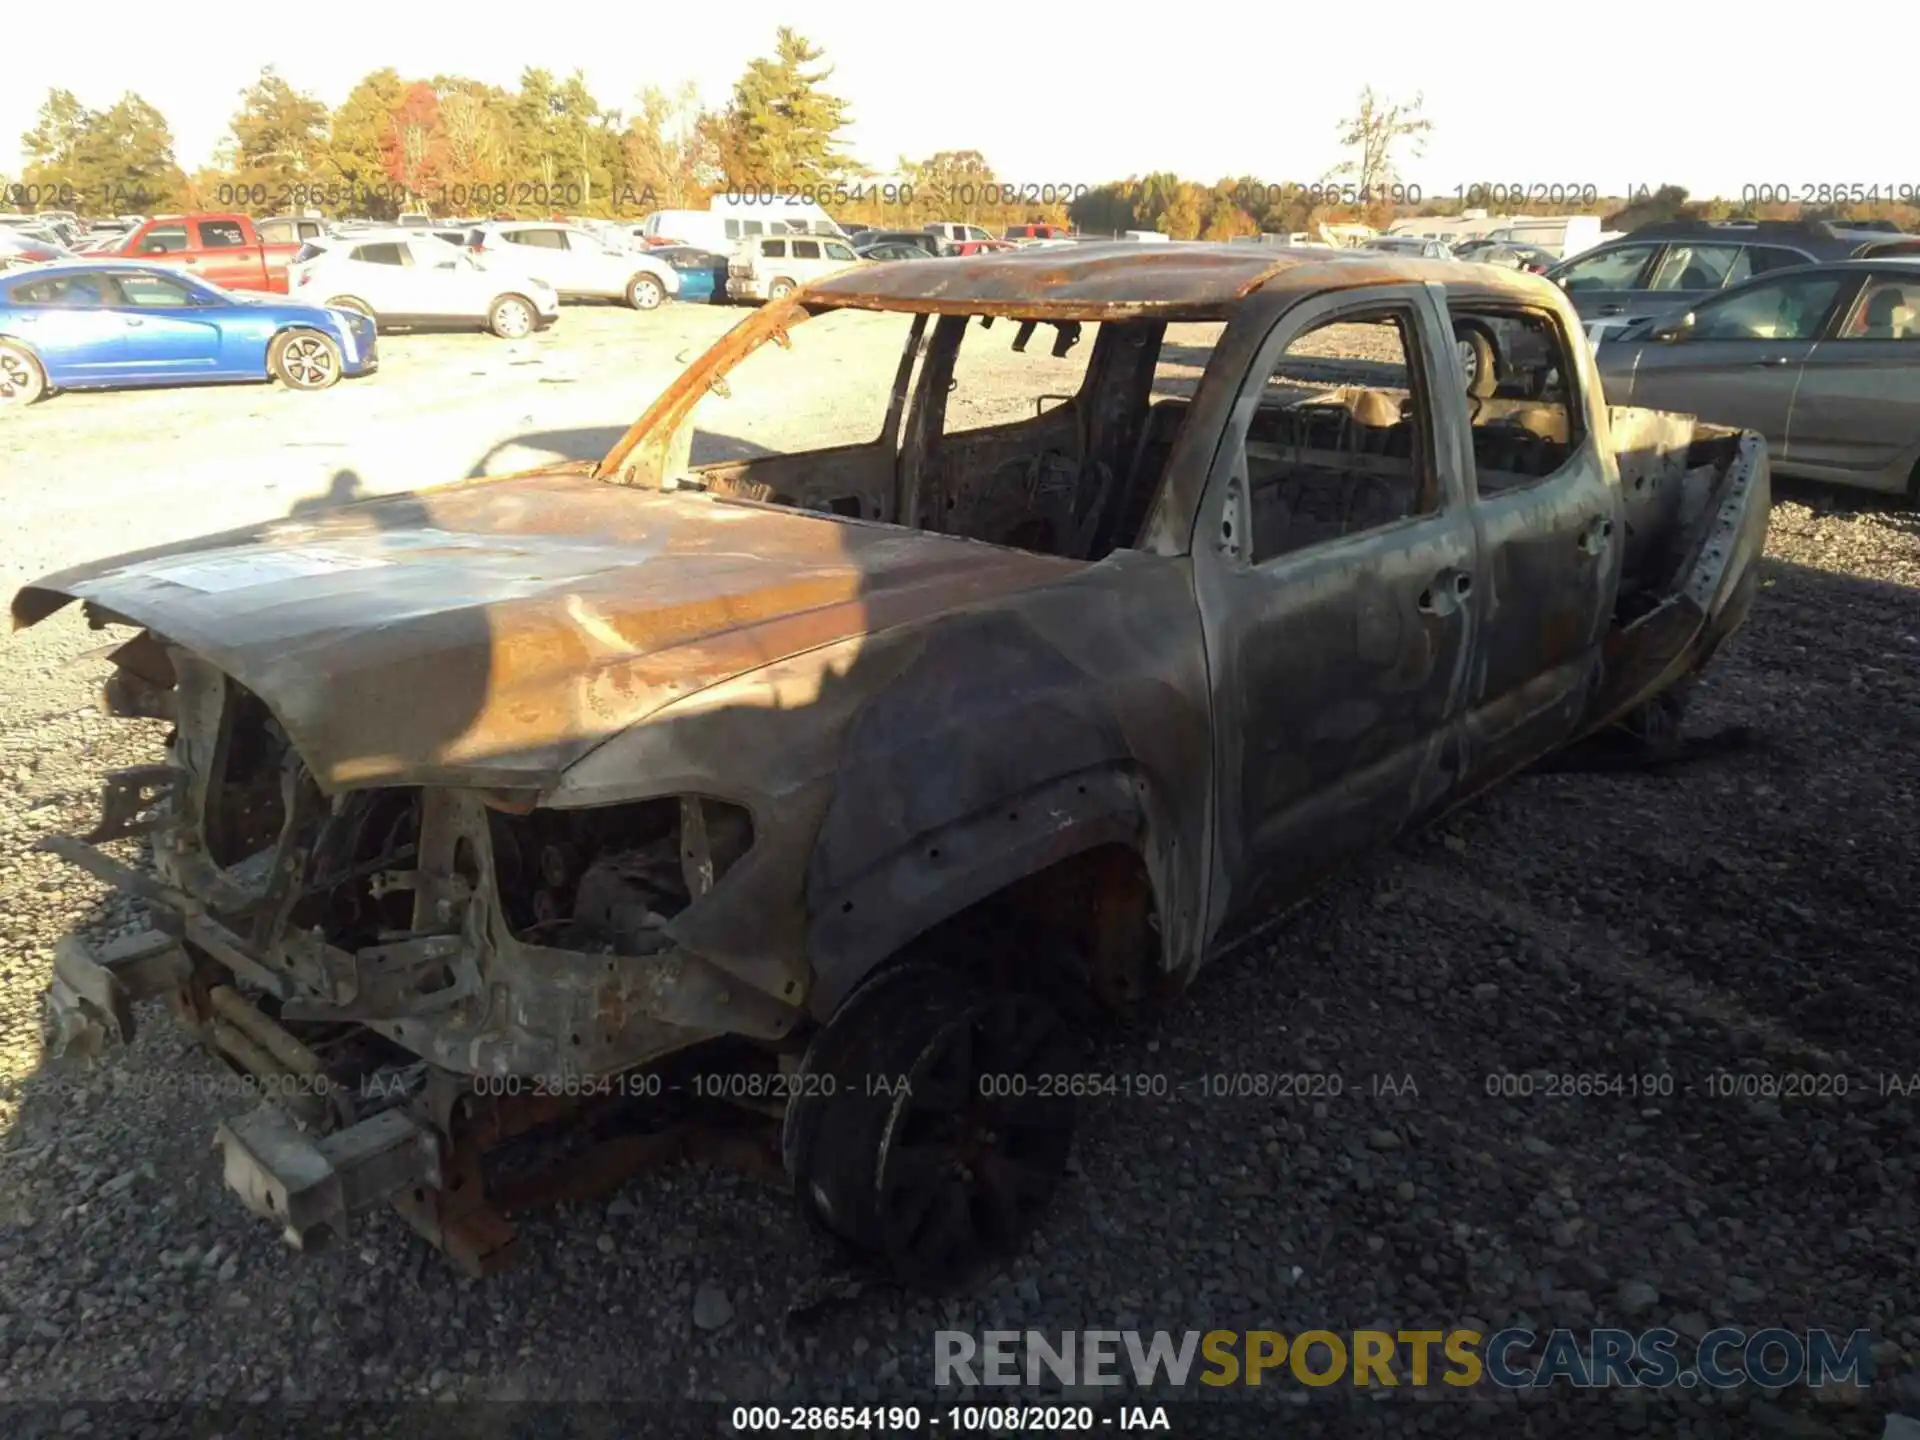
(987, 758)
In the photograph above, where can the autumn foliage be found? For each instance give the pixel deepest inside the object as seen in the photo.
(456, 146)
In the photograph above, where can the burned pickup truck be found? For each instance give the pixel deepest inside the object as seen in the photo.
(853, 773)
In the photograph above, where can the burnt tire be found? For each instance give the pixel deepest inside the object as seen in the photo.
(646, 292)
(23, 379)
(512, 317)
(918, 1134)
(304, 360)
(1479, 360)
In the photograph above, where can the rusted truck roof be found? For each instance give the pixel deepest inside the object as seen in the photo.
(1095, 282)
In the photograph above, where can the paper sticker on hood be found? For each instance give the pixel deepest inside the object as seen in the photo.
(263, 567)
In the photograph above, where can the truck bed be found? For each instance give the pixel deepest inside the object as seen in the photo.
(1696, 498)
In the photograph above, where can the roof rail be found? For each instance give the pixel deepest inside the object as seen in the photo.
(1806, 229)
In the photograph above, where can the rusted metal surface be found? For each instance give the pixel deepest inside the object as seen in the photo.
(1109, 282)
(494, 634)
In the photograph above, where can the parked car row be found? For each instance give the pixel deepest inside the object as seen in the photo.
(20, 245)
(178, 298)
(1806, 334)
(1508, 254)
(1660, 268)
(947, 238)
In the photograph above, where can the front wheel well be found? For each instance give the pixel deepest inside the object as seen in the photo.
(1089, 923)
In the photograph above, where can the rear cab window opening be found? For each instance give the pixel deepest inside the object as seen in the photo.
(1517, 365)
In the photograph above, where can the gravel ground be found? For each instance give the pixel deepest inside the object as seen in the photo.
(1749, 913)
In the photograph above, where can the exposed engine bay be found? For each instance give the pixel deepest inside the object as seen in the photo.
(411, 972)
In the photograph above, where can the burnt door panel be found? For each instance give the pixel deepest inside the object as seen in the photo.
(1551, 530)
(1338, 656)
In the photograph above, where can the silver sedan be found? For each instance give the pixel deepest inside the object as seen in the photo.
(1823, 360)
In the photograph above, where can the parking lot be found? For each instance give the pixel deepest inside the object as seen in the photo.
(1753, 910)
(441, 406)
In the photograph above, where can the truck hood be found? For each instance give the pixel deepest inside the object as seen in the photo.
(491, 633)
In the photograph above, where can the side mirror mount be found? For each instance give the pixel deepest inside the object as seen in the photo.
(1673, 329)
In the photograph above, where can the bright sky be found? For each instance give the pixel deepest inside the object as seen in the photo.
(1531, 94)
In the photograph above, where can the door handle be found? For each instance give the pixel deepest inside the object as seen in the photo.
(1444, 595)
(1612, 309)
(133, 320)
(1770, 362)
(1593, 539)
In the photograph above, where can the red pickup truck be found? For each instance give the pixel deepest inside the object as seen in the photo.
(223, 248)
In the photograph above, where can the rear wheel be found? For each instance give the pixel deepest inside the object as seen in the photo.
(645, 292)
(511, 317)
(925, 1130)
(304, 360)
(1479, 362)
(22, 380)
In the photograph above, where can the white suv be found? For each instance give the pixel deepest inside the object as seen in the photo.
(772, 267)
(402, 277)
(954, 232)
(577, 263)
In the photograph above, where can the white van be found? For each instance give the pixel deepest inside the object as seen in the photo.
(727, 223)
(1566, 236)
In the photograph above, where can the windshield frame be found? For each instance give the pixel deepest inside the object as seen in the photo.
(654, 454)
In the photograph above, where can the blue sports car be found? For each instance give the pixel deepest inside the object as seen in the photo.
(75, 325)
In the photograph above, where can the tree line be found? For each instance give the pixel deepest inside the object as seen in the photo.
(458, 146)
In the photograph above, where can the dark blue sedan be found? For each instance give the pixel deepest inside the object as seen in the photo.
(79, 326)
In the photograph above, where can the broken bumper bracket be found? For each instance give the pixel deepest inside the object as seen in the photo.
(91, 997)
(311, 1184)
